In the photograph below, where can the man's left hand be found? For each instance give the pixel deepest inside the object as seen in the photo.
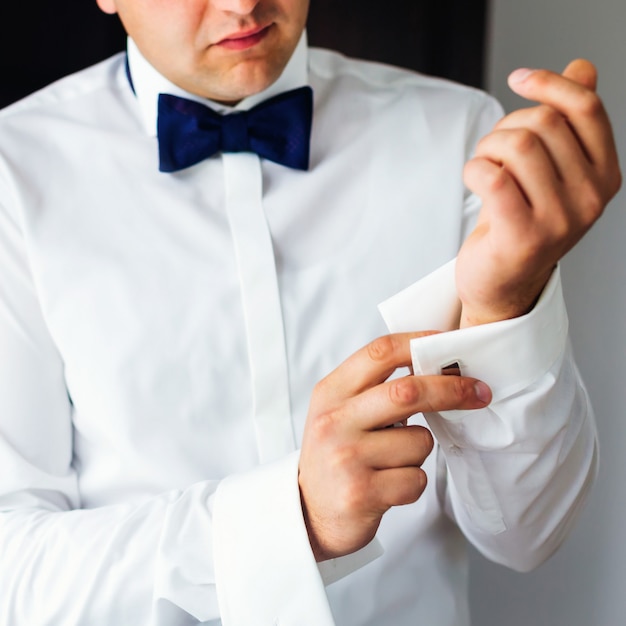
(545, 175)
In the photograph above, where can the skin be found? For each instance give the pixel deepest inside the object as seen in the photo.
(544, 175)
(347, 442)
(193, 43)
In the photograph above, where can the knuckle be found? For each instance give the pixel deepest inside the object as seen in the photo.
(324, 425)
(381, 349)
(322, 387)
(462, 389)
(591, 200)
(547, 117)
(560, 230)
(344, 456)
(589, 104)
(413, 486)
(354, 495)
(482, 175)
(404, 391)
(523, 140)
(496, 179)
(426, 440)
(557, 227)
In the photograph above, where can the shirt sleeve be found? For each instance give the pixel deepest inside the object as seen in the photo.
(258, 525)
(517, 472)
(150, 561)
(248, 537)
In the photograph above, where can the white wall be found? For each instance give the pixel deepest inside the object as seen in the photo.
(585, 583)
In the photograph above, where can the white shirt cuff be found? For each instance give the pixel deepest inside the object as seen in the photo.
(336, 569)
(507, 355)
(264, 567)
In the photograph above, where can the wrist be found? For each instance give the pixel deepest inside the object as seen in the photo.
(512, 304)
(476, 316)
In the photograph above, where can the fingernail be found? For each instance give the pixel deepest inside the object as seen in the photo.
(483, 393)
(520, 75)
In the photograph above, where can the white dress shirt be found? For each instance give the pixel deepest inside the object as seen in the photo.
(160, 335)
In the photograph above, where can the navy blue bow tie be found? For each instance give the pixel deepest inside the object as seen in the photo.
(277, 129)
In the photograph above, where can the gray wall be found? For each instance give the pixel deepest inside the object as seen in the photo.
(584, 584)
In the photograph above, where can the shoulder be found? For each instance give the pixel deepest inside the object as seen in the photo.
(331, 66)
(369, 77)
(62, 127)
(70, 93)
(66, 117)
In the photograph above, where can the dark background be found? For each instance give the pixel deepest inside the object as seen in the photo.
(41, 40)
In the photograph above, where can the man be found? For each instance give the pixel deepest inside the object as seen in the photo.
(163, 332)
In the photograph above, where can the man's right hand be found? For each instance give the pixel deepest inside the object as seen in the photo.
(353, 467)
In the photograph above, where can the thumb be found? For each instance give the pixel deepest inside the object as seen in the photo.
(583, 72)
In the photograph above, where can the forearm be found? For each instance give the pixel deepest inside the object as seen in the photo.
(148, 563)
(184, 557)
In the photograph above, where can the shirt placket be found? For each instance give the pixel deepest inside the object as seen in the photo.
(265, 333)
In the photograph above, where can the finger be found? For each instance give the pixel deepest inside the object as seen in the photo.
(396, 447)
(369, 366)
(398, 399)
(583, 72)
(579, 191)
(525, 158)
(503, 199)
(580, 105)
(397, 486)
(561, 143)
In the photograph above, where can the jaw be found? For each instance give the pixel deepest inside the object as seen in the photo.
(230, 76)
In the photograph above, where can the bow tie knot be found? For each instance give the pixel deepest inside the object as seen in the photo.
(277, 129)
(234, 135)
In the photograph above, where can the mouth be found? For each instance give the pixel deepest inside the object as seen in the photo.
(243, 40)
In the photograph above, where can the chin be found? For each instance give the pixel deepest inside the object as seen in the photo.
(249, 88)
(232, 84)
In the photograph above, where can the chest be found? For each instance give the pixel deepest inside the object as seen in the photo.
(142, 290)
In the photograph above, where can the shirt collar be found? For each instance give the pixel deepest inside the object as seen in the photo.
(148, 83)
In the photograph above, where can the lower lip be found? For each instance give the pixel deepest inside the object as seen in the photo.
(244, 43)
